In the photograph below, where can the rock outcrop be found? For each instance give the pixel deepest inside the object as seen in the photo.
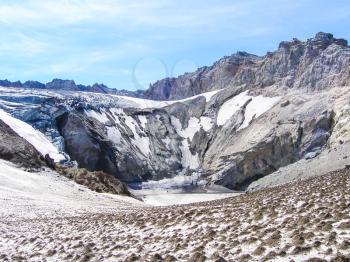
(97, 181)
(17, 150)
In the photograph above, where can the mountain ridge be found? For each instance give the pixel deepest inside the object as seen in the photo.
(70, 85)
(281, 67)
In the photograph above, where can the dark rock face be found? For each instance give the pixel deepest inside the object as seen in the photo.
(62, 85)
(8, 83)
(34, 84)
(97, 180)
(85, 142)
(17, 150)
(315, 64)
(205, 79)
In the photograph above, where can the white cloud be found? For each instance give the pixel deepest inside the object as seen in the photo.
(21, 45)
(158, 13)
(82, 60)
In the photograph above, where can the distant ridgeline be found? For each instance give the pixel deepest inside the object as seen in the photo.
(70, 85)
(316, 64)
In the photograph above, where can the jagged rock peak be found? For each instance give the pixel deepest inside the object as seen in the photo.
(320, 40)
(62, 84)
(328, 39)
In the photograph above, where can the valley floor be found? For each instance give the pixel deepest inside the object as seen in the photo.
(296, 221)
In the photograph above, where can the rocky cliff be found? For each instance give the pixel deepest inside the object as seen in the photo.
(316, 64)
(250, 117)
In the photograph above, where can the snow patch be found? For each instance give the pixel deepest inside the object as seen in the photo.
(194, 124)
(188, 159)
(230, 107)
(102, 117)
(206, 123)
(114, 134)
(255, 108)
(171, 199)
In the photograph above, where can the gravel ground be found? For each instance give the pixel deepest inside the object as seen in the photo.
(301, 221)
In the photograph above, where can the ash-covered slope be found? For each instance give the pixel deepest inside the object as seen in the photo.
(316, 64)
(251, 125)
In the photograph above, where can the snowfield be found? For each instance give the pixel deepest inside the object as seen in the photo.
(45, 194)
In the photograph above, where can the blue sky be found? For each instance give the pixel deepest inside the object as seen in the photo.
(128, 44)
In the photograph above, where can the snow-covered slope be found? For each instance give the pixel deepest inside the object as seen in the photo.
(33, 136)
(48, 194)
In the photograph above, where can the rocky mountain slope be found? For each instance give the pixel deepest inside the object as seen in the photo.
(316, 64)
(261, 114)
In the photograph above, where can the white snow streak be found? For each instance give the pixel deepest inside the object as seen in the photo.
(142, 142)
(145, 103)
(188, 159)
(194, 124)
(102, 117)
(143, 121)
(33, 136)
